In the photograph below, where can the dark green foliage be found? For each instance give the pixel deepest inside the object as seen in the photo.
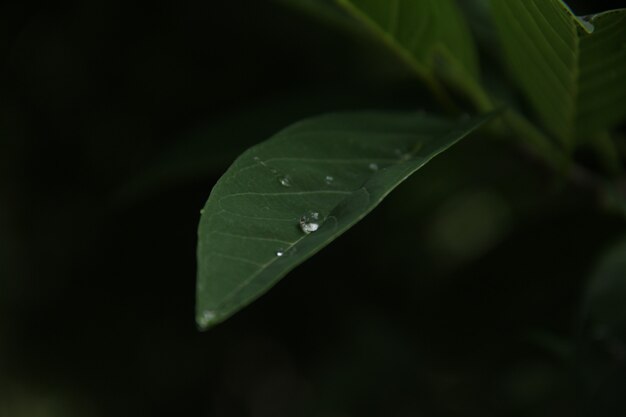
(568, 68)
(330, 171)
(489, 283)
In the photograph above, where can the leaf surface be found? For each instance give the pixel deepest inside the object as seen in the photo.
(570, 69)
(339, 166)
(431, 36)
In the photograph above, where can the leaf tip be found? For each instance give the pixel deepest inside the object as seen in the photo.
(206, 319)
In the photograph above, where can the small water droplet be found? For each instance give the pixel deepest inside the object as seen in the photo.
(402, 155)
(260, 162)
(201, 211)
(280, 252)
(309, 227)
(285, 181)
(309, 223)
(373, 166)
(329, 179)
(206, 318)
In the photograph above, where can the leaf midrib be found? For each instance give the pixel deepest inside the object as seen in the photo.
(388, 39)
(260, 269)
(469, 85)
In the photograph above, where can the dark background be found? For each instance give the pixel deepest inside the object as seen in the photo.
(459, 296)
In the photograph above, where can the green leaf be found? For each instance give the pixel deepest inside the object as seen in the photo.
(340, 166)
(431, 36)
(602, 341)
(571, 70)
(605, 298)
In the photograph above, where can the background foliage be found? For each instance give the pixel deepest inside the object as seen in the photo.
(471, 305)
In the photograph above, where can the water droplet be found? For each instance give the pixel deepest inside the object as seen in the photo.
(285, 181)
(402, 155)
(280, 252)
(259, 161)
(373, 166)
(201, 211)
(329, 179)
(309, 223)
(206, 318)
(309, 227)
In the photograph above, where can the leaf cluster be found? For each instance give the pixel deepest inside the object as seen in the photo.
(563, 94)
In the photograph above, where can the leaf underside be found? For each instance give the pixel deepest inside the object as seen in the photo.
(340, 166)
(420, 26)
(432, 36)
(570, 69)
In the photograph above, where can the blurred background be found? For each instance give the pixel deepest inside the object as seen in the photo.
(465, 294)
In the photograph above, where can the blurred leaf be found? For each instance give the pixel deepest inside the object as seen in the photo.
(467, 225)
(431, 36)
(328, 173)
(605, 300)
(602, 350)
(570, 69)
